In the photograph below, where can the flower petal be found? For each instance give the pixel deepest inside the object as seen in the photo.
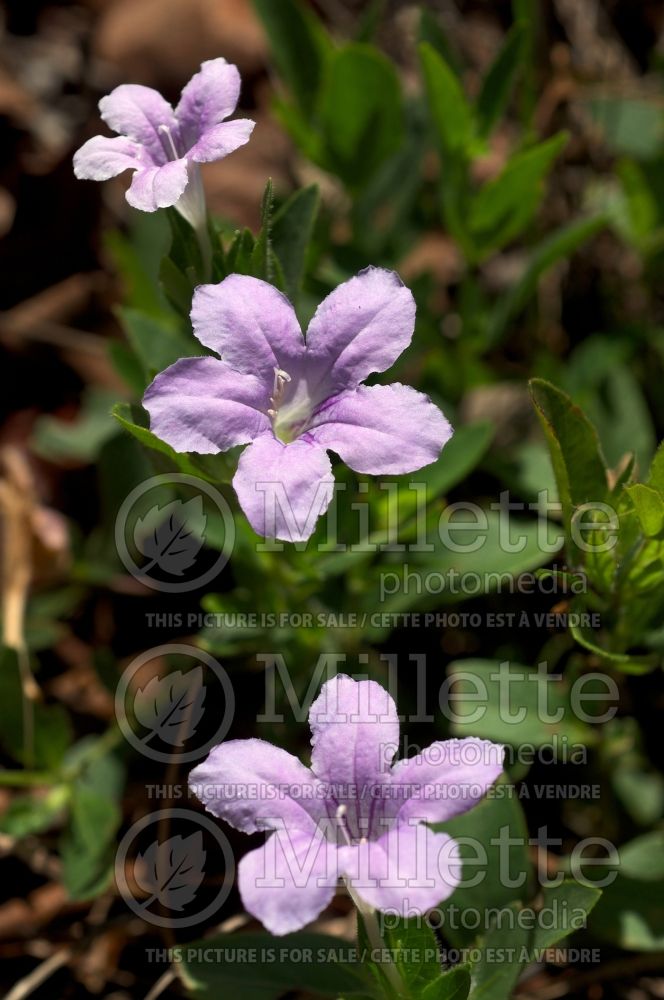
(354, 736)
(382, 429)
(361, 327)
(221, 140)
(200, 404)
(254, 785)
(288, 881)
(250, 324)
(446, 779)
(138, 112)
(102, 157)
(158, 187)
(409, 870)
(284, 488)
(210, 96)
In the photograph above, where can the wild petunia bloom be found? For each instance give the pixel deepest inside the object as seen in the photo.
(354, 815)
(291, 400)
(164, 145)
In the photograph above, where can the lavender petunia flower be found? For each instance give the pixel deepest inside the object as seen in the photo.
(164, 146)
(354, 815)
(291, 401)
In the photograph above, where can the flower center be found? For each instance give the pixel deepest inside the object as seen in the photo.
(290, 406)
(343, 828)
(168, 142)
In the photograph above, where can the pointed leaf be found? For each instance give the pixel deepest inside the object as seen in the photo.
(649, 506)
(449, 109)
(499, 81)
(575, 452)
(292, 228)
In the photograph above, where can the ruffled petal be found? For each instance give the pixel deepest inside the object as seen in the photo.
(250, 324)
(138, 112)
(254, 785)
(409, 870)
(221, 140)
(158, 187)
(382, 429)
(210, 96)
(288, 881)
(284, 488)
(102, 157)
(446, 779)
(361, 327)
(202, 405)
(354, 736)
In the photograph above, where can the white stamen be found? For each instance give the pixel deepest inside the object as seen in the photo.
(281, 378)
(341, 820)
(165, 130)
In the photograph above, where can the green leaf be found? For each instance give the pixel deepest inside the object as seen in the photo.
(649, 506)
(460, 456)
(292, 228)
(503, 953)
(415, 952)
(558, 246)
(630, 912)
(34, 813)
(626, 662)
(264, 264)
(127, 366)
(499, 81)
(178, 287)
(451, 985)
(575, 452)
(431, 31)
(315, 963)
(212, 468)
(449, 109)
(502, 871)
(81, 439)
(361, 112)
(656, 475)
(157, 343)
(300, 47)
(634, 126)
(491, 718)
(88, 843)
(566, 902)
(240, 253)
(504, 206)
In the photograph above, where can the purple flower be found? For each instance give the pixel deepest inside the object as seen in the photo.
(354, 815)
(292, 400)
(164, 146)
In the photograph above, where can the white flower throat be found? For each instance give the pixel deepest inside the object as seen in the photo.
(291, 406)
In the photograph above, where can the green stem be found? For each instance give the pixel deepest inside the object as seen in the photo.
(26, 779)
(376, 941)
